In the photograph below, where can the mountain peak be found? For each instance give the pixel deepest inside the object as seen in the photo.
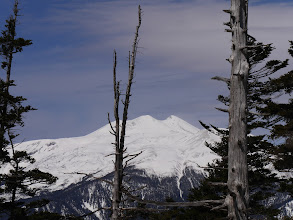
(169, 146)
(172, 117)
(145, 117)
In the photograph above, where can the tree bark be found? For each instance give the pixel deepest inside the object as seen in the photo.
(118, 154)
(238, 197)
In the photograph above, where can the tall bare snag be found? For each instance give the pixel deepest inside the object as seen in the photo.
(238, 197)
(120, 148)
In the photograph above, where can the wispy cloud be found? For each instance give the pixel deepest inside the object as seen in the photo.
(183, 44)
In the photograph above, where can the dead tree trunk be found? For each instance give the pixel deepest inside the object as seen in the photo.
(238, 197)
(120, 137)
(116, 197)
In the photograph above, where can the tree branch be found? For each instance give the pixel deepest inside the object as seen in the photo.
(222, 110)
(176, 204)
(219, 78)
(217, 184)
(109, 121)
(93, 212)
(212, 168)
(259, 114)
(92, 176)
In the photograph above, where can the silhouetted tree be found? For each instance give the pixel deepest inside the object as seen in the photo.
(18, 181)
(278, 115)
(262, 181)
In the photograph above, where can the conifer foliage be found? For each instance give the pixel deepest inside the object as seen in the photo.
(279, 117)
(261, 90)
(19, 181)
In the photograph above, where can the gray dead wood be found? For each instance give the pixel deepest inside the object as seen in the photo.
(237, 200)
(226, 80)
(120, 135)
(206, 203)
(222, 109)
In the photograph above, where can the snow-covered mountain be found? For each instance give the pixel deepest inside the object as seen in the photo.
(173, 152)
(169, 146)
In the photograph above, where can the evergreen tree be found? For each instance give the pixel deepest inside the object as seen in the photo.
(262, 181)
(279, 115)
(18, 182)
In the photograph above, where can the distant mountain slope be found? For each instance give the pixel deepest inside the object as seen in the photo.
(169, 146)
(173, 152)
(172, 149)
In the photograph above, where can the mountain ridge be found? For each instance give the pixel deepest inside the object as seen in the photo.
(174, 153)
(168, 147)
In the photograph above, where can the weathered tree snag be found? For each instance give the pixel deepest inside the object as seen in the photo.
(120, 137)
(118, 154)
(238, 198)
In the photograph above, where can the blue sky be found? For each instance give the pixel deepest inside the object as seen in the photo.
(67, 73)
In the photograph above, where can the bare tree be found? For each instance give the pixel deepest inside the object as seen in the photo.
(119, 130)
(238, 197)
(120, 149)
